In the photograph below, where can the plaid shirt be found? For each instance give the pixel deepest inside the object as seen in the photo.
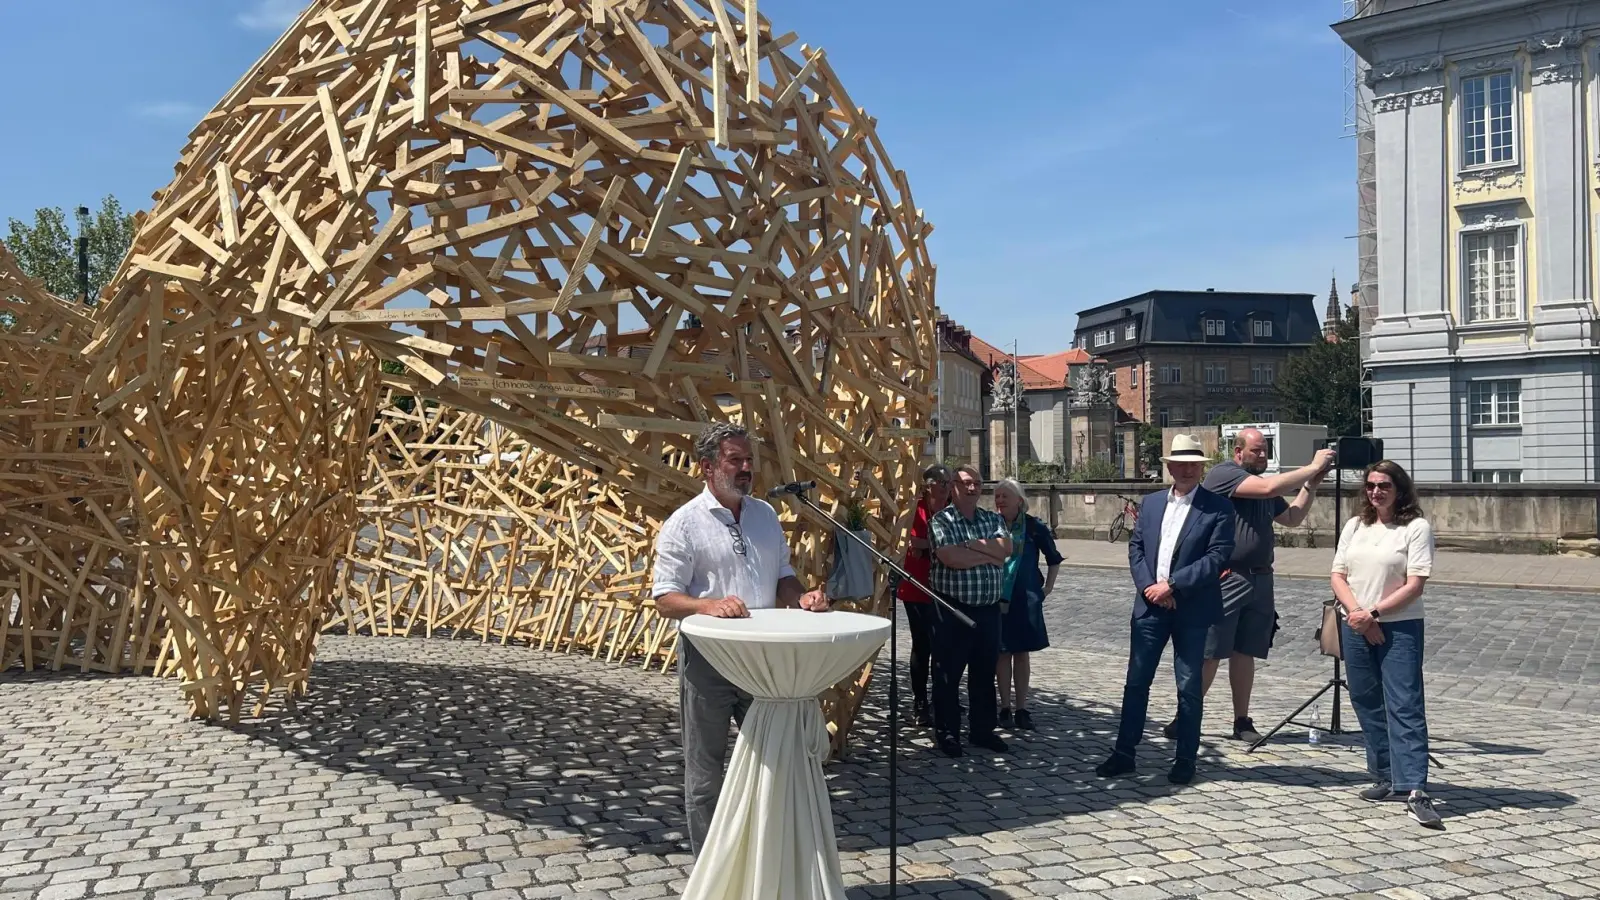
(979, 585)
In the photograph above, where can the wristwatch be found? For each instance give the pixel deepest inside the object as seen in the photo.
(1374, 612)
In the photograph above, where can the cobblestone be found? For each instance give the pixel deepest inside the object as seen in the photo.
(429, 768)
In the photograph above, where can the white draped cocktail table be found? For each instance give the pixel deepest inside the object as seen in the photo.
(772, 836)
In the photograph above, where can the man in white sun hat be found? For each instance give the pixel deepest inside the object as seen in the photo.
(1176, 555)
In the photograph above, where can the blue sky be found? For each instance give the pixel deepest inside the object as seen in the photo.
(1069, 153)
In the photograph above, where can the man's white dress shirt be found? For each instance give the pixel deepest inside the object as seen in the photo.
(698, 552)
(1178, 506)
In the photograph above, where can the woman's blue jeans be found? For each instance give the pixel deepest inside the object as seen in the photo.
(1386, 691)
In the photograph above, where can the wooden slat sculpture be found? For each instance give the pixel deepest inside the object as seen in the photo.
(68, 582)
(582, 228)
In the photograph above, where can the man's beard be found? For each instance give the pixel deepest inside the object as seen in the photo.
(1255, 468)
(737, 484)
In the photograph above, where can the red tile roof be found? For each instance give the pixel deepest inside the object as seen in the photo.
(1039, 373)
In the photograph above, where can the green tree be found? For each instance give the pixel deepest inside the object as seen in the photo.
(1322, 385)
(47, 250)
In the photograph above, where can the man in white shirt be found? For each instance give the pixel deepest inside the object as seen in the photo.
(721, 554)
(1175, 554)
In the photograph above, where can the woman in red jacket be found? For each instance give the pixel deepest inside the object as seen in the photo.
(919, 608)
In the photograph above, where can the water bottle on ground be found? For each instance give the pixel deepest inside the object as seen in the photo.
(1314, 733)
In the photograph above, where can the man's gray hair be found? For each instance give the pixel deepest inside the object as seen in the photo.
(1012, 485)
(709, 444)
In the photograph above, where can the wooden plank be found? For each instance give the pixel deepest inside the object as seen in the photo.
(645, 423)
(546, 388)
(335, 134)
(575, 274)
(286, 221)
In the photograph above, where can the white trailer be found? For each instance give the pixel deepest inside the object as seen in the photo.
(1289, 446)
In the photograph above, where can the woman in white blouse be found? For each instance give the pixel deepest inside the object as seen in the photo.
(1385, 556)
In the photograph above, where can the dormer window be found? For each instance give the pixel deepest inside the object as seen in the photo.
(1216, 327)
(1261, 328)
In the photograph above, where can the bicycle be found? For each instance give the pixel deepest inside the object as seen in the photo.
(1120, 525)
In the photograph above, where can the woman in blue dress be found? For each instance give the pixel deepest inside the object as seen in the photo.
(1022, 622)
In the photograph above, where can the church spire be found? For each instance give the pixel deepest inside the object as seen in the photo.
(1335, 312)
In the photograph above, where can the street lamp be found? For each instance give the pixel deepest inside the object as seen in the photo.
(83, 253)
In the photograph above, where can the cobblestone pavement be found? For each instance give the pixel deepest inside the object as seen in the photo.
(433, 768)
(1570, 574)
(1522, 648)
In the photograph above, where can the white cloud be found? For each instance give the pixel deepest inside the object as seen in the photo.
(271, 15)
(167, 109)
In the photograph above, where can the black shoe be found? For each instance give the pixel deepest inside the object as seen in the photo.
(1024, 720)
(1420, 807)
(1170, 730)
(1117, 764)
(1245, 730)
(920, 716)
(1005, 718)
(951, 747)
(1182, 772)
(990, 741)
(1378, 792)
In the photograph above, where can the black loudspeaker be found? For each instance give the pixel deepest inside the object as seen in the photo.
(1357, 452)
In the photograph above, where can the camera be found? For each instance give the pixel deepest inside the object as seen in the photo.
(1353, 452)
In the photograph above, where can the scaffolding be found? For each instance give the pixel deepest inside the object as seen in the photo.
(1358, 125)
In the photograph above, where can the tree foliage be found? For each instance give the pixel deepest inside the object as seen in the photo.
(1322, 386)
(47, 249)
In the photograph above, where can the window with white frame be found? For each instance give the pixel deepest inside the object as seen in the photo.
(1263, 373)
(1171, 374)
(1214, 414)
(1496, 476)
(1488, 120)
(1264, 413)
(1261, 328)
(1216, 327)
(1130, 331)
(1495, 403)
(1133, 376)
(1493, 275)
(1216, 373)
(1104, 337)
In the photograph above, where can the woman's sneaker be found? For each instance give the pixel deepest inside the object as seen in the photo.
(1420, 807)
(1377, 792)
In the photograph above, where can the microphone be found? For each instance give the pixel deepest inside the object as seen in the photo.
(793, 487)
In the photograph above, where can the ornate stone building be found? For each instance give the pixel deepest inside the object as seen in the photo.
(1483, 354)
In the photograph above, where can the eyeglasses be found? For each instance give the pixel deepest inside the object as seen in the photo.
(1379, 486)
(738, 538)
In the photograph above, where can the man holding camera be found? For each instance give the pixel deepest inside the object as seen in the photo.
(1249, 616)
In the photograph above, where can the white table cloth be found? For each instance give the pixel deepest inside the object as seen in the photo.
(772, 836)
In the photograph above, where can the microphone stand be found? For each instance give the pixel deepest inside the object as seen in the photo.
(894, 678)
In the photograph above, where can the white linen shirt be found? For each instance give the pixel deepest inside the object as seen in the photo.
(696, 552)
(1178, 506)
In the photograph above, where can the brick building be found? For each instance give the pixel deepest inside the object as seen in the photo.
(1192, 357)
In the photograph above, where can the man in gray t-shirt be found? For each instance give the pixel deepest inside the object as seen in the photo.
(1249, 616)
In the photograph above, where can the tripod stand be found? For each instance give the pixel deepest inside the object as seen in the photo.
(1337, 681)
(894, 678)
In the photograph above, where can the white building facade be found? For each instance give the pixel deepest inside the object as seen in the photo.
(1484, 353)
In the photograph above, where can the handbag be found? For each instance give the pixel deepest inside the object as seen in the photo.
(1328, 633)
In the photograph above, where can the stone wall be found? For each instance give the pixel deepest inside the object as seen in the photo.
(1506, 518)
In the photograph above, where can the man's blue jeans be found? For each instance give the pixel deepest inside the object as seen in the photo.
(1386, 691)
(1149, 641)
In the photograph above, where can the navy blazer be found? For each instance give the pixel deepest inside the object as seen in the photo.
(1205, 544)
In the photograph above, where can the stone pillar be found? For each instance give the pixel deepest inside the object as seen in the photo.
(1007, 447)
(1563, 313)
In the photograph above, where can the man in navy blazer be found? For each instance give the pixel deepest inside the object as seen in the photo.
(1176, 555)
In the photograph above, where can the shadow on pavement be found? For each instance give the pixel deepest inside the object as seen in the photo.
(941, 888)
(591, 761)
(574, 757)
